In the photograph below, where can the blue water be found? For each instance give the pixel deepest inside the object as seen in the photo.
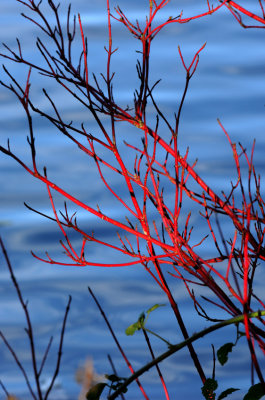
(228, 84)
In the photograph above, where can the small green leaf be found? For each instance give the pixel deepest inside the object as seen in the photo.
(114, 378)
(222, 353)
(141, 320)
(95, 392)
(132, 329)
(208, 389)
(154, 307)
(255, 392)
(136, 326)
(226, 392)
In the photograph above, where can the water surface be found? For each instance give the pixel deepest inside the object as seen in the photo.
(229, 84)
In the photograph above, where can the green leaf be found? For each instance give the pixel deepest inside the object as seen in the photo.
(132, 329)
(114, 378)
(95, 392)
(208, 389)
(136, 326)
(141, 320)
(222, 353)
(226, 392)
(255, 392)
(154, 307)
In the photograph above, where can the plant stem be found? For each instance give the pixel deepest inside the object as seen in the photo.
(176, 347)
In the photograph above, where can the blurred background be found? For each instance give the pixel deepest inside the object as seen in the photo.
(228, 84)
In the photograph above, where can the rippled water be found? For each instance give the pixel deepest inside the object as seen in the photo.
(229, 84)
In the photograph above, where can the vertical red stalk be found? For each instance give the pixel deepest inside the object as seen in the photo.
(117, 342)
(157, 366)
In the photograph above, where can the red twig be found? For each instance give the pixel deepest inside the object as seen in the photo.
(117, 341)
(157, 366)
